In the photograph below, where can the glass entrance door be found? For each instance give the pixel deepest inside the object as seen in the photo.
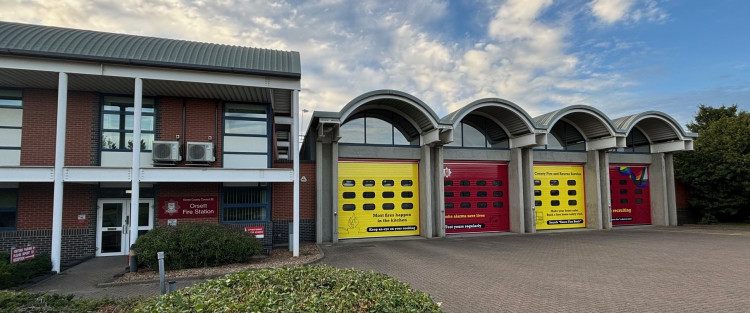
(113, 225)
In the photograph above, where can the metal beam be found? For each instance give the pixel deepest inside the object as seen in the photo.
(92, 174)
(601, 143)
(215, 175)
(24, 174)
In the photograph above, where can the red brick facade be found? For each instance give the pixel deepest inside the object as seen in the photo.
(35, 205)
(282, 206)
(202, 122)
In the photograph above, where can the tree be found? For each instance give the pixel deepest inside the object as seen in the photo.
(717, 173)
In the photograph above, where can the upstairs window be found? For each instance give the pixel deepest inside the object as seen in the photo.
(564, 136)
(117, 124)
(636, 142)
(11, 119)
(246, 136)
(476, 131)
(379, 127)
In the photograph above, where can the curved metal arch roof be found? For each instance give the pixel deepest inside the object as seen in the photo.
(85, 45)
(519, 122)
(414, 109)
(589, 120)
(658, 126)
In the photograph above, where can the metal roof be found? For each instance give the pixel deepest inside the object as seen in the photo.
(409, 106)
(592, 122)
(510, 115)
(84, 45)
(657, 126)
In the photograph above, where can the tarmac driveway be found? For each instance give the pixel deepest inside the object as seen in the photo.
(634, 269)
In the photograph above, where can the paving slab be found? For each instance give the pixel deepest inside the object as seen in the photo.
(628, 269)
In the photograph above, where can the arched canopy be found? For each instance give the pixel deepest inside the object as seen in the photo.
(591, 122)
(514, 120)
(656, 126)
(407, 106)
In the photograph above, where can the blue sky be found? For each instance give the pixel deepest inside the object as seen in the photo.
(621, 56)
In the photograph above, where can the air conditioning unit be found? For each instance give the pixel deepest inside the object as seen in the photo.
(200, 152)
(166, 151)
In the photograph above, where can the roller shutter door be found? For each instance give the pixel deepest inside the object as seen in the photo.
(476, 197)
(378, 199)
(629, 193)
(559, 196)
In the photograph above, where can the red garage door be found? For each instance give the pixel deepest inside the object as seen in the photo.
(629, 189)
(476, 197)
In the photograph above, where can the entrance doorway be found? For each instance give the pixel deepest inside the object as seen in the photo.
(113, 225)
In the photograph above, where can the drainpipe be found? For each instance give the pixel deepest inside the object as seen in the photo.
(57, 202)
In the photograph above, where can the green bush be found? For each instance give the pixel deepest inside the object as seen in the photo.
(12, 301)
(195, 245)
(15, 274)
(295, 289)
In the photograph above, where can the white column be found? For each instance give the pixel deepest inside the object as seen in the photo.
(295, 158)
(136, 167)
(57, 202)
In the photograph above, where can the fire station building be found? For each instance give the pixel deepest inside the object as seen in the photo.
(386, 165)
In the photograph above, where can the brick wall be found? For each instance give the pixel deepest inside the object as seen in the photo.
(76, 243)
(35, 206)
(282, 205)
(200, 123)
(187, 190)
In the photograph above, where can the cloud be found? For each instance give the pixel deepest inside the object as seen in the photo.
(613, 11)
(349, 48)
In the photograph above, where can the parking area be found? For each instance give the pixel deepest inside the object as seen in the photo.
(628, 269)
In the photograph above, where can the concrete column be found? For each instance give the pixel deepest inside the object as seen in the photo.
(669, 184)
(135, 180)
(658, 185)
(294, 154)
(57, 202)
(319, 192)
(425, 191)
(516, 190)
(438, 195)
(592, 188)
(606, 204)
(527, 171)
(335, 191)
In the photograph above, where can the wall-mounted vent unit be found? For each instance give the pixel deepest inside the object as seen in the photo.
(166, 151)
(200, 152)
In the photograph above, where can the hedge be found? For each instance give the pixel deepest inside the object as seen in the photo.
(195, 245)
(15, 274)
(295, 289)
(21, 301)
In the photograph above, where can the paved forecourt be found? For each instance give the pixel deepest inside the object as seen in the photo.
(628, 269)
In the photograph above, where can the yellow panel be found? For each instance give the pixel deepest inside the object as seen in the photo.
(561, 203)
(365, 209)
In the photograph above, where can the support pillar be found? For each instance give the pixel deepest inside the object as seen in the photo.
(439, 187)
(57, 202)
(135, 181)
(593, 191)
(657, 180)
(335, 190)
(527, 171)
(295, 159)
(516, 190)
(319, 191)
(606, 204)
(671, 197)
(425, 188)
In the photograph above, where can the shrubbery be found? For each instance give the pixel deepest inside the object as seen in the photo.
(18, 273)
(295, 289)
(195, 245)
(21, 301)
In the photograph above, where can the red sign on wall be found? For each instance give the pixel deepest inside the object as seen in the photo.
(188, 207)
(21, 254)
(258, 231)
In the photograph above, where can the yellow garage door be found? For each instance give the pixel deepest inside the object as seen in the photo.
(378, 199)
(559, 197)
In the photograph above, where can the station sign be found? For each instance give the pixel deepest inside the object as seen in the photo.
(188, 207)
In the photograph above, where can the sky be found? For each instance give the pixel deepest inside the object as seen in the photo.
(620, 56)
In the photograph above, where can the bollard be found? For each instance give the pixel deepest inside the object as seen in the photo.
(133, 259)
(160, 256)
(172, 286)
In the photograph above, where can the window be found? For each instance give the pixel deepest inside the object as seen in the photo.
(388, 183)
(635, 142)
(117, 124)
(497, 204)
(379, 127)
(348, 183)
(407, 194)
(449, 194)
(245, 204)
(388, 194)
(8, 208)
(368, 206)
(499, 193)
(368, 195)
(477, 131)
(348, 207)
(11, 118)
(246, 136)
(407, 206)
(349, 195)
(388, 206)
(368, 183)
(564, 137)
